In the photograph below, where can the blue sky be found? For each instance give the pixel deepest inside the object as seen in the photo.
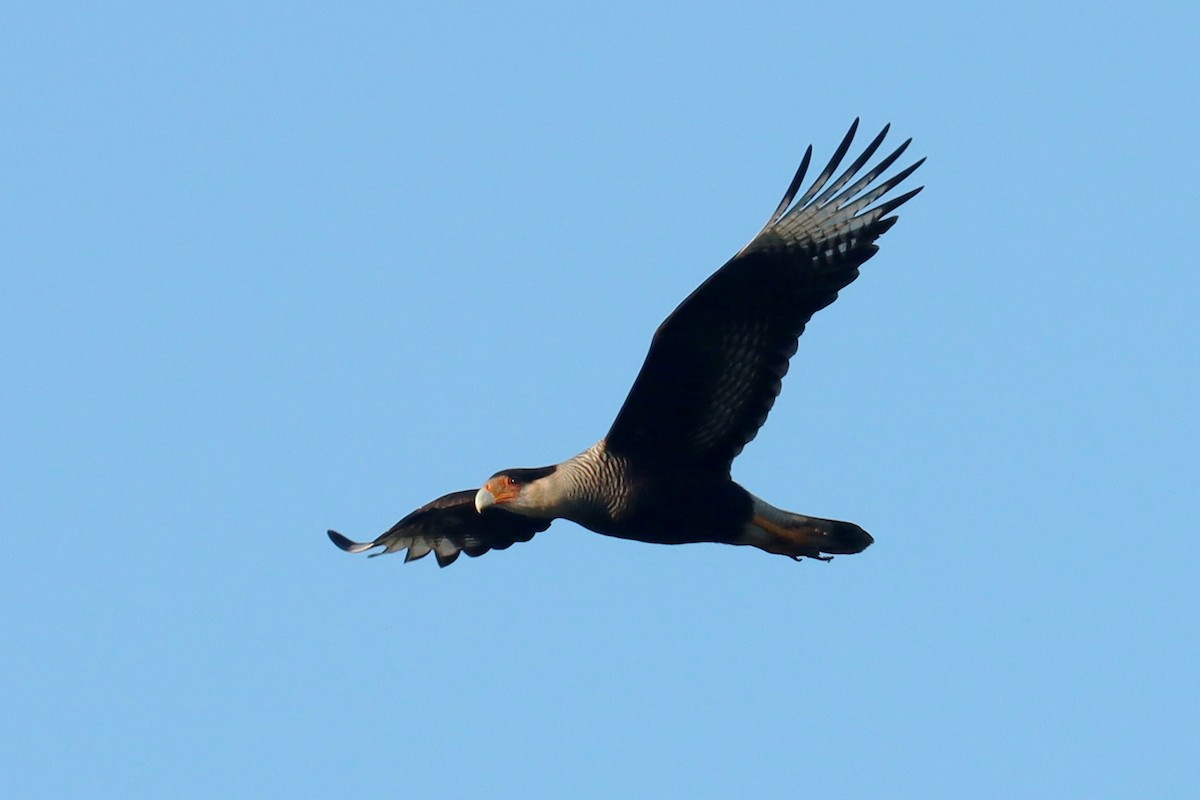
(273, 268)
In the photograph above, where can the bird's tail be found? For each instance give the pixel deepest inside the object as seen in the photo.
(796, 535)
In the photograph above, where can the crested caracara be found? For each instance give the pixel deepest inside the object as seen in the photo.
(662, 472)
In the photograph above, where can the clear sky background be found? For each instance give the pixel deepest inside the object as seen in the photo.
(271, 268)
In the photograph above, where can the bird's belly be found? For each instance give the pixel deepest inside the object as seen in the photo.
(670, 515)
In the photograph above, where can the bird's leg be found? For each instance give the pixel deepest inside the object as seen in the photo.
(796, 542)
(798, 536)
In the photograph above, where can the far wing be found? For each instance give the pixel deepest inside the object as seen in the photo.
(448, 526)
(716, 364)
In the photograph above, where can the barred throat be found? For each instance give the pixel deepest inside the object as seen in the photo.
(594, 488)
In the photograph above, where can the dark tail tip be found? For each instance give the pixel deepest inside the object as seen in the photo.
(844, 538)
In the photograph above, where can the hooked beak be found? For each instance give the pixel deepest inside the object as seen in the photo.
(496, 492)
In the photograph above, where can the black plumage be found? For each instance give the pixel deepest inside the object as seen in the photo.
(714, 369)
(448, 526)
(716, 364)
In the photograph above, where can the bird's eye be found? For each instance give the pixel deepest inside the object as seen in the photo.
(510, 480)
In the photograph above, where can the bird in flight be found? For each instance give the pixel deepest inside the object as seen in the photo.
(662, 472)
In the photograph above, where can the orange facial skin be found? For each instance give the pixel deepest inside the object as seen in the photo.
(503, 489)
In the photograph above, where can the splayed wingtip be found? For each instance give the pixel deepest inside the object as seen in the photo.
(346, 544)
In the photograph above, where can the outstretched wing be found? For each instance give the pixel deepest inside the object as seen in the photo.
(716, 364)
(448, 526)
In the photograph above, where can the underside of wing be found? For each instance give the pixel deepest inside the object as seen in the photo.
(447, 527)
(716, 364)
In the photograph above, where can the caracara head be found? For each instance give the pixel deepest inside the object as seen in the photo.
(521, 491)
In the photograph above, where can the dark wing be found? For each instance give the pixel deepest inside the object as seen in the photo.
(715, 365)
(448, 526)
